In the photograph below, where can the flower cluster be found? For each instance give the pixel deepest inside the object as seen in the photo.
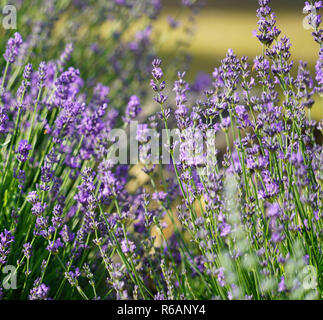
(232, 209)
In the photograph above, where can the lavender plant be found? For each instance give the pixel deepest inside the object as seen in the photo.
(239, 223)
(113, 38)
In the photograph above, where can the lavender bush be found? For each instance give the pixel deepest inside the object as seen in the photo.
(239, 223)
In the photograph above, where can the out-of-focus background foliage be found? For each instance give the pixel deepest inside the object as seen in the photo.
(223, 24)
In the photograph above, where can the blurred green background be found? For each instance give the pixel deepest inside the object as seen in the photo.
(223, 24)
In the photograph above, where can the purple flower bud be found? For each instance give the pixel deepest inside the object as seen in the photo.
(156, 63)
(225, 124)
(127, 246)
(157, 73)
(27, 250)
(32, 197)
(54, 246)
(281, 285)
(38, 208)
(225, 229)
(27, 71)
(42, 74)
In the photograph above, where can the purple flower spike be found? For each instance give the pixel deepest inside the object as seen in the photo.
(127, 246)
(23, 150)
(12, 49)
(39, 291)
(6, 238)
(132, 109)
